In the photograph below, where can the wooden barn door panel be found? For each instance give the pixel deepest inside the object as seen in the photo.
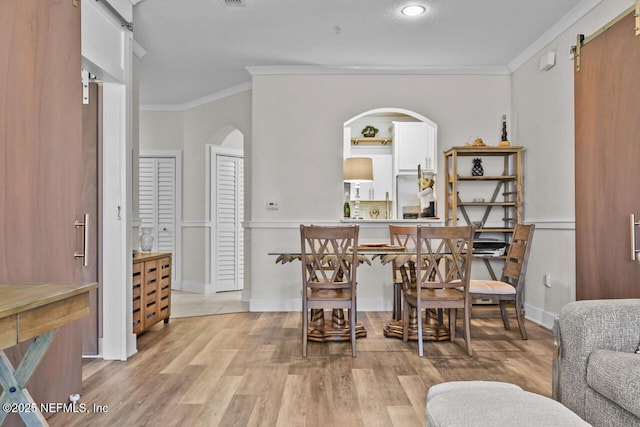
(607, 150)
(41, 170)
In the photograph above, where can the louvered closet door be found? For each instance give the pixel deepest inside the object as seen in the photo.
(229, 235)
(158, 200)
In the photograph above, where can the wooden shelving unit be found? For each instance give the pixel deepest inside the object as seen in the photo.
(502, 191)
(151, 289)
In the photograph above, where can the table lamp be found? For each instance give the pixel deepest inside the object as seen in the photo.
(357, 170)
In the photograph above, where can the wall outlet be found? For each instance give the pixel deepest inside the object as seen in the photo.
(272, 205)
(546, 280)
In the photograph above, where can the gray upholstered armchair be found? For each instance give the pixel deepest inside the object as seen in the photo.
(596, 371)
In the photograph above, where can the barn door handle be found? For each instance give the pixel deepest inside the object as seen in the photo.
(85, 239)
(633, 224)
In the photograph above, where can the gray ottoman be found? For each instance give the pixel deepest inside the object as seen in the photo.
(488, 403)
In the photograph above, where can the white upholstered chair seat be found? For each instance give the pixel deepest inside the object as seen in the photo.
(496, 287)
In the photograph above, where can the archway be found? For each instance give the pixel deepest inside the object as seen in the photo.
(405, 145)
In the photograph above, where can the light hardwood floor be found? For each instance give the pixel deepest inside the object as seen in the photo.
(246, 369)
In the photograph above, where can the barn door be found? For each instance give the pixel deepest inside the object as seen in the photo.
(607, 152)
(41, 171)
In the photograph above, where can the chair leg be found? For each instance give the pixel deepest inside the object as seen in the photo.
(520, 316)
(467, 329)
(420, 337)
(405, 320)
(503, 313)
(453, 315)
(305, 327)
(352, 328)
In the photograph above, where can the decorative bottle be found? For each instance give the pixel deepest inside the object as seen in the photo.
(346, 208)
(146, 239)
(504, 142)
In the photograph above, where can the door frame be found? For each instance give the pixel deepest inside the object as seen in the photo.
(177, 256)
(215, 150)
(118, 341)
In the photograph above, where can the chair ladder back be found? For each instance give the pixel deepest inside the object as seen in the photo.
(448, 245)
(518, 254)
(403, 235)
(328, 254)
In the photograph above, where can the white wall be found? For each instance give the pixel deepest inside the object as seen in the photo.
(297, 159)
(190, 131)
(543, 114)
(293, 153)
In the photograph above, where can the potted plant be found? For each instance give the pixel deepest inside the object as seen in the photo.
(369, 131)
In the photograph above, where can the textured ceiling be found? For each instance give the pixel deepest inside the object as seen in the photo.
(196, 48)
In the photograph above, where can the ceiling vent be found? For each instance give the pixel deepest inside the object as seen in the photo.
(234, 3)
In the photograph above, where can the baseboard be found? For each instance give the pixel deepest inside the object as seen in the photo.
(272, 304)
(295, 304)
(541, 317)
(534, 314)
(197, 288)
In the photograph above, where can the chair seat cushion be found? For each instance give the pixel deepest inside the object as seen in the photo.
(490, 287)
(439, 294)
(329, 294)
(616, 376)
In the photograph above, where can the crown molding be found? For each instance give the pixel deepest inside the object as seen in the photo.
(374, 70)
(573, 16)
(225, 93)
(138, 50)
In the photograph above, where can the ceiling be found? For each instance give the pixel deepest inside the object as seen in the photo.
(197, 48)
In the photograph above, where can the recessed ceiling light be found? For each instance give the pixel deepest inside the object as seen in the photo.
(413, 10)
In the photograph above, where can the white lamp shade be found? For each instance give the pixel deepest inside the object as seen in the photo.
(358, 169)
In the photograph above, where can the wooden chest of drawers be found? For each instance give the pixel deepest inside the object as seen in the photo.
(151, 289)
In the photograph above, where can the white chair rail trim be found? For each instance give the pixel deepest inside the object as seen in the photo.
(542, 224)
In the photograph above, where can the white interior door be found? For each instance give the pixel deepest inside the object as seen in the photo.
(158, 200)
(228, 201)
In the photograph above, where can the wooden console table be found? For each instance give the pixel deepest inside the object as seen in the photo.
(151, 289)
(33, 312)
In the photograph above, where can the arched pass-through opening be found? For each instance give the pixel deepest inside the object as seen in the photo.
(403, 147)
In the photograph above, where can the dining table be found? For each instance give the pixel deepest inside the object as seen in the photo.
(337, 330)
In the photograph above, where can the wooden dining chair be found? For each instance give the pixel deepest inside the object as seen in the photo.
(329, 256)
(403, 235)
(442, 278)
(510, 287)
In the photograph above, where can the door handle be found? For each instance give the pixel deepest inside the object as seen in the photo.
(632, 226)
(85, 239)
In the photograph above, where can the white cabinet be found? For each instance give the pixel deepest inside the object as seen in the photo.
(413, 143)
(382, 179)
